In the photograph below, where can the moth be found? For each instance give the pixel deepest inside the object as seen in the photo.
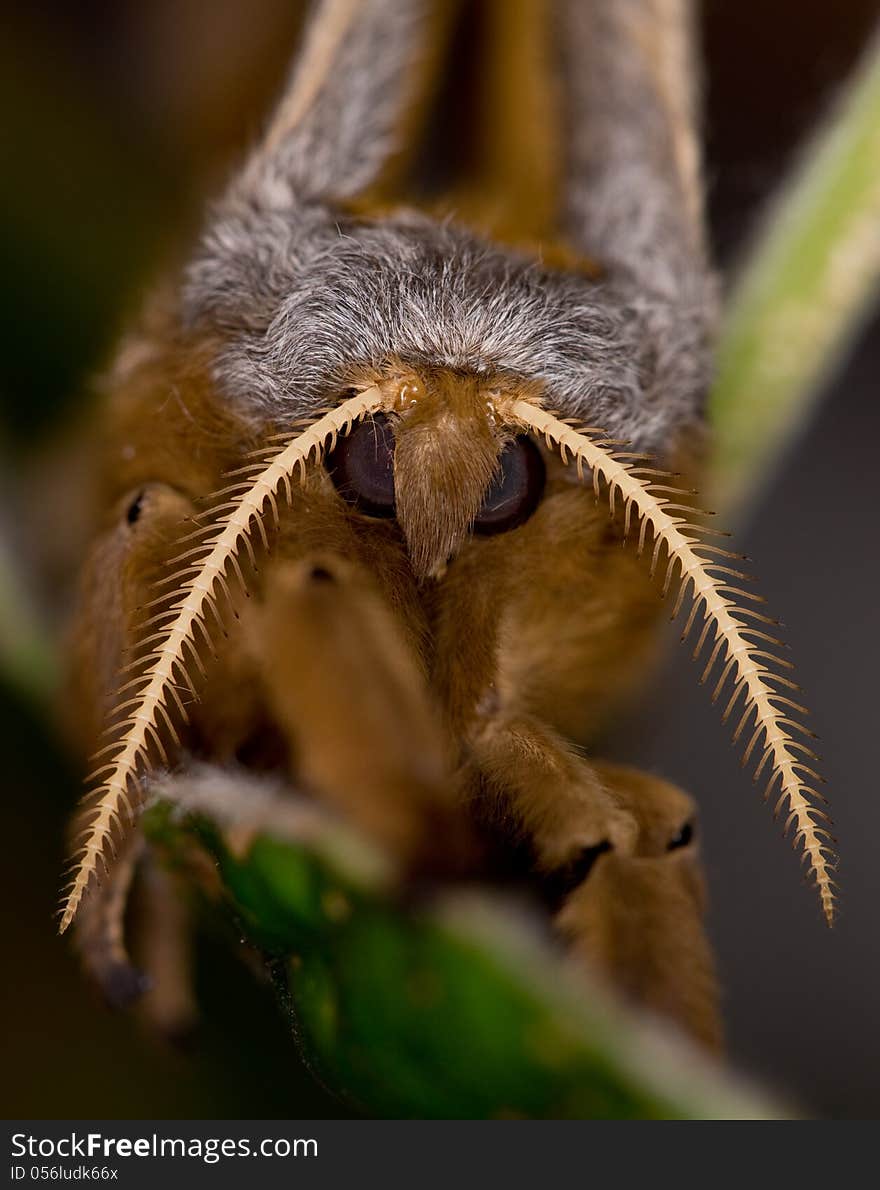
(388, 473)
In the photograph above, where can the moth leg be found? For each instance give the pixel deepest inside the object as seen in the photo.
(551, 792)
(100, 930)
(243, 805)
(349, 692)
(162, 982)
(164, 938)
(637, 918)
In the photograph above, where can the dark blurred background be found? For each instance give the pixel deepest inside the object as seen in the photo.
(120, 117)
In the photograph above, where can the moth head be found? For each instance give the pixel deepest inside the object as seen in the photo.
(444, 462)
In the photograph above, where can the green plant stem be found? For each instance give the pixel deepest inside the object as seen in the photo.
(808, 283)
(451, 1008)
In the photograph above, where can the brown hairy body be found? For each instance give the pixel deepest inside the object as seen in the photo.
(353, 403)
(434, 711)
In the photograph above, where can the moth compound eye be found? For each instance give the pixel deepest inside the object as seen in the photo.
(683, 838)
(362, 467)
(516, 489)
(135, 508)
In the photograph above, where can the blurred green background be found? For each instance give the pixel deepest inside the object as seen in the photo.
(121, 117)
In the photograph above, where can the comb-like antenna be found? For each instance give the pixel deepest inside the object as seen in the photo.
(738, 653)
(633, 196)
(349, 89)
(149, 704)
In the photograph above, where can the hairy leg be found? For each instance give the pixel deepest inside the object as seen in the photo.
(348, 692)
(638, 918)
(164, 940)
(549, 791)
(100, 930)
(616, 851)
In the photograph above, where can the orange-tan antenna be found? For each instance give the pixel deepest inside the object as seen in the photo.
(153, 702)
(743, 651)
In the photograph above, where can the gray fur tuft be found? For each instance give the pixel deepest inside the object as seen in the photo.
(305, 299)
(303, 296)
(336, 145)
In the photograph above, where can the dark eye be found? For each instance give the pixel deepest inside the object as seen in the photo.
(362, 467)
(516, 489)
(684, 836)
(134, 510)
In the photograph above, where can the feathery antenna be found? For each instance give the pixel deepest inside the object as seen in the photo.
(706, 574)
(153, 703)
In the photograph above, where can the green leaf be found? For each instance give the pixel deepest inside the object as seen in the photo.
(454, 1007)
(807, 285)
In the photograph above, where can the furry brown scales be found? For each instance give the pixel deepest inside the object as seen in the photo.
(308, 307)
